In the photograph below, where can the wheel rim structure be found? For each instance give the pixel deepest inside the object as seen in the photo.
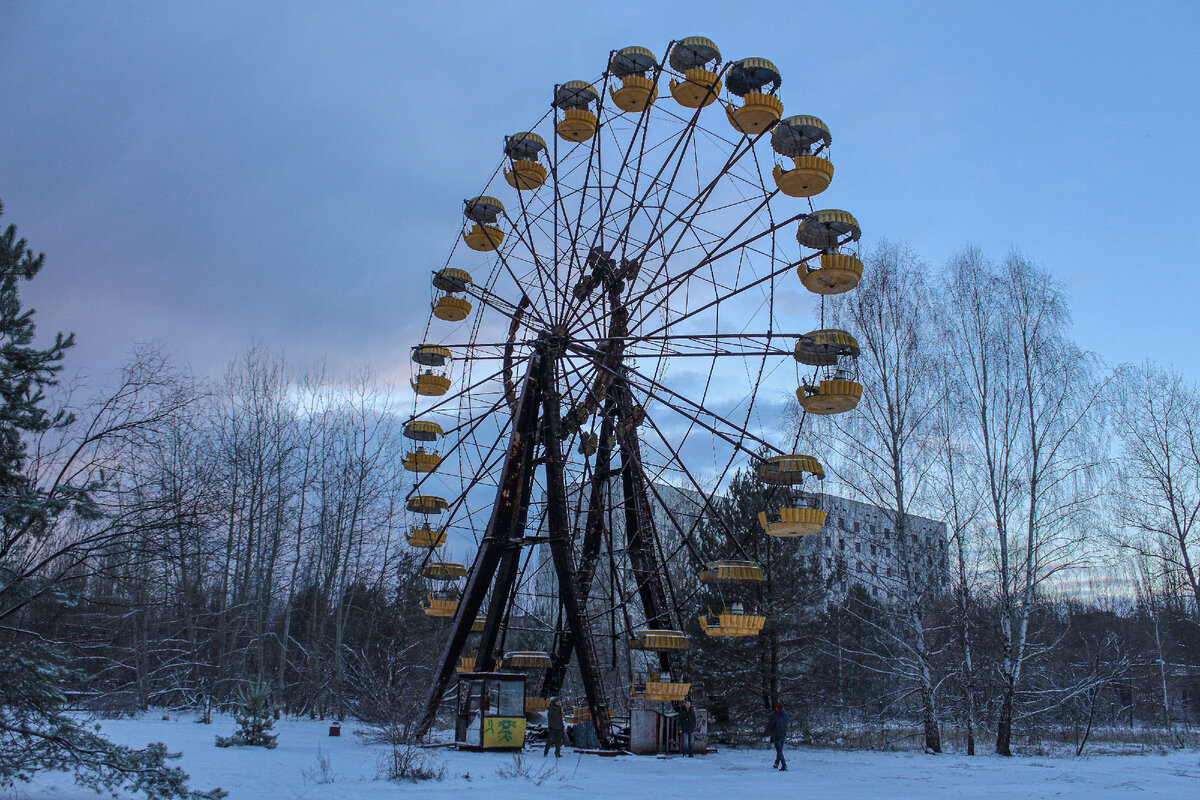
(621, 297)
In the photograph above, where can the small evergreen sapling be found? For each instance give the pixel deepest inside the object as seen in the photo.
(254, 718)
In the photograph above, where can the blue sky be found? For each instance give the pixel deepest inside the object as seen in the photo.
(214, 174)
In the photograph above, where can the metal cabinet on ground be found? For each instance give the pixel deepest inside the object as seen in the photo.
(652, 731)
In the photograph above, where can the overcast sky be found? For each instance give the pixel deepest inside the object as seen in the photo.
(212, 174)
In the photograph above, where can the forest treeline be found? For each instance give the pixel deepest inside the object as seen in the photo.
(207, 534)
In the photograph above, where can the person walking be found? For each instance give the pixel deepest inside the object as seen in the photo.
(687, 728)
(554, 728)
(777, 725)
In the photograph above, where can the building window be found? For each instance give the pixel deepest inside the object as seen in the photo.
(858, 547)
(872, 549)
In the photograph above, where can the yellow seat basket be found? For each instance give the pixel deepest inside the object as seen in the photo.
(637, 93)
(793, 522)
(535, 704)
(452, 309)
(831, 397)
(789, 470)
(444, 571)
(426, 504)
(757, 113)
(421, 462)
(477, 625)
(729, 623)
(699, 89)
(809, 177)
(659, 640)
(439, 607)
(664, 691)
(581, 715)
(527, 659)
(431, 384)
(425, 536)
(720, 572)
(577, 125)
(484, 238)
(525, 175)
(466, 663)
(839, 272)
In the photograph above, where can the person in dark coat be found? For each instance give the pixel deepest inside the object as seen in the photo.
(777, 725)
(687, 728)
(554, 728)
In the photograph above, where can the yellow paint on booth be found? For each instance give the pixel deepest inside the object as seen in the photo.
(502, 732)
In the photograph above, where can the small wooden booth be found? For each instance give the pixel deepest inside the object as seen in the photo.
(490, 711)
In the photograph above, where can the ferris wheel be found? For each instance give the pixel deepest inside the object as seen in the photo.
(625, 294)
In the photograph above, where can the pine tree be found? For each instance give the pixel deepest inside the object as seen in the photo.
(254, 718)
(36, 732)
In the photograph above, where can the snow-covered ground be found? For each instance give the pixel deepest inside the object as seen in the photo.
(290, 772)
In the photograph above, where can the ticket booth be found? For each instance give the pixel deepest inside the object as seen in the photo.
(490, 711)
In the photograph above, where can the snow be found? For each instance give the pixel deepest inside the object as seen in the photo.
(287, 772)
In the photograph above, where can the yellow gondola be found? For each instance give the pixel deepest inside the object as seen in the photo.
(839, 272)
(760, 109)
(466, 663)
(578, 123)
(654, 688)
(523, 149)
(732, 622)
(534, 705)
(425, 536)
(789, 470)
(444, 571)
(834, 396)
(804, 139)
(426, 504)
(527, 659)
(485, 212)
(695, 57)
(420, 430)
(431, 384)
(421, 460)
(789, 522)
(659, 640)
(731, 572)
(439, 606)
(637, 92)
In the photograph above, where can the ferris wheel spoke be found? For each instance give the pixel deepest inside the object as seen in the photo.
(694, 205)
(698, 412)
(674, 283)
(705, 506)
(524, 236)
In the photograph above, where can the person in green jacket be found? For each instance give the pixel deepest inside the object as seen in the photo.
(554, 728)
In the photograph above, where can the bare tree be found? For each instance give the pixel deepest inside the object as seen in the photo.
(1158, 492)
(885, 456)
(1034, 401)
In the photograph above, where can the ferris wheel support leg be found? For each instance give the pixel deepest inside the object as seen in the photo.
(592, 538)
(638, 520)
(560, 551)
(505, 526)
